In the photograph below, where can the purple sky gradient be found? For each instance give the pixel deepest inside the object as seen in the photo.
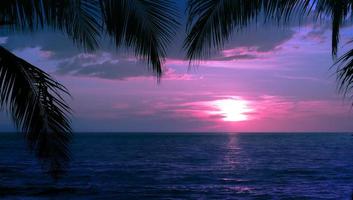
(277, 79)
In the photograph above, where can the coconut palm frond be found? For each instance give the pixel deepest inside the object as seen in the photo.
(38, 108)
(21, 15)
(147, 26)
(210, 23)
(339, 11)
(345, 72)
(284, 10)
(79, 19)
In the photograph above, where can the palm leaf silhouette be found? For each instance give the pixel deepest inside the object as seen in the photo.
(339, 12)
(147, 26)
(34, 99)
(37, 107)
(210, 24)
(78, 19)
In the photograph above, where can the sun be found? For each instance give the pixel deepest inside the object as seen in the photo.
(232, 110)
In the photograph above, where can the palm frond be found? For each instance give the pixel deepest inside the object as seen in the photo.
(345, 72)
(210, 23)
(38, 108)
(147, 26)
(79, 19)
(284, 10)
(339, 11)
(21, 14)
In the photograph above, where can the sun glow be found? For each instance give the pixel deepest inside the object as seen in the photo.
(233, 110)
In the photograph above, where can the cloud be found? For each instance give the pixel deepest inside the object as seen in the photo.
(110, 66)
(38, 57)
(236, 57)
(243, 53)
(216, 108)
(240, 62)
(102, 65)
(52, 41)
(253, 43)
(278, 107)
(303, 78)
(201, 112)
(63, 47)
(33, 52)
(265, 37)
(219, 108)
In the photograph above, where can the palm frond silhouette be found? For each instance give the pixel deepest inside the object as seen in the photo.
(211, 23)
(34, 100)
(146, 26)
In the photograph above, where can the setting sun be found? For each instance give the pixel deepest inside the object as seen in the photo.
(232, 109)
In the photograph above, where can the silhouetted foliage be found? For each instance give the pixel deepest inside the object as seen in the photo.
(211, 23)
(146, 26)
(34, 99)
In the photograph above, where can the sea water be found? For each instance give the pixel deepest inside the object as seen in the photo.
(186, 166)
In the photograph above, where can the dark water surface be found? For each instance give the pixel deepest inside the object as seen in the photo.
(191, 166)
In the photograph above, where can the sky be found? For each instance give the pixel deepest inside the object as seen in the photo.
(266, 79)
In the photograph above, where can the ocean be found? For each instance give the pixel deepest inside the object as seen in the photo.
(187, 166)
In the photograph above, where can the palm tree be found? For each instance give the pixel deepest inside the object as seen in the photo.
(211, 23)
(34, 99)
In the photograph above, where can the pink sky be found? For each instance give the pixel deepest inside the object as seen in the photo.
(264, 80)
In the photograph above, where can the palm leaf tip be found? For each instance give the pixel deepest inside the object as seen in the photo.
(146, 26)
(211, 23)
(78, 19)
(38, 108)
(345, 72)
